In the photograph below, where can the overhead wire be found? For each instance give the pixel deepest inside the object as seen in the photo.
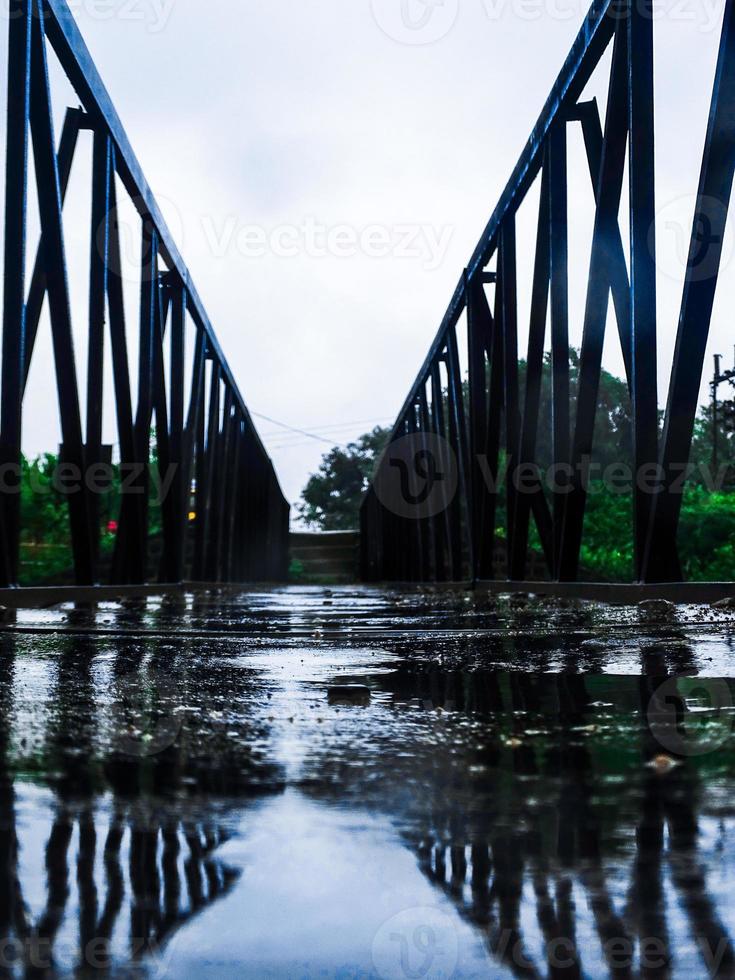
(287, 436)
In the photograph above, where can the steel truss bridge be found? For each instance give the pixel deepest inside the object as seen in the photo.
(222, 473)
(457, 542)
(241, 528)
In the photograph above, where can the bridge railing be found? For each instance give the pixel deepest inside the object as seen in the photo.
(431, 513)
(223, 517)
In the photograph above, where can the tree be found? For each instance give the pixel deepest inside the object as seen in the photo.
(333, 495)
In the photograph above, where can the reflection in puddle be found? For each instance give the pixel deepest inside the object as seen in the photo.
(319, 885)
(506, 803)
(89, 886)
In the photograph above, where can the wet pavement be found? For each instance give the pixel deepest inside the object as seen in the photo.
(534, 788)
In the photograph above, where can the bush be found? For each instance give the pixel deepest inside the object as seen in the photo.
(707, 535)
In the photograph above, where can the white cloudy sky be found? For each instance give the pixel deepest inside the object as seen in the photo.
(260, 114)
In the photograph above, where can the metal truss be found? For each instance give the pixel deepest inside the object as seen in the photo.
(221, 469)
(458, 543)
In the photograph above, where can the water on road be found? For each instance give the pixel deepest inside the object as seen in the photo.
(526, 788)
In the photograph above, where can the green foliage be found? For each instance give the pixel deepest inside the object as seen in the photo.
(607, 543)
(332, 497)
(45, 553)
(44, 511)
(707, 535)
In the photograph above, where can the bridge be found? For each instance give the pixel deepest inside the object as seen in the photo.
(225, 518)
(474, 727)
(221, 471)
(455, 543)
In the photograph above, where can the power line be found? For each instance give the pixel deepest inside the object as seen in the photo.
(311, 435)
(301, 432)
(320, 429)
(286, 440)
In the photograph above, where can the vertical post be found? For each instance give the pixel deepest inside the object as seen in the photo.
(171, 533)
(509, 320)
(221, 483)
(445, 525)
(232, 500)
(16, 196)
(715, 440)
(642, 261)
(176, 444)
(495, 421)
(559, 260)
(148, 301)
(98, 263)
(210, 464)
(703, 267)
(534, 376)
(478, 340)
(190, 446)
(201, 475)
(432, 560)
(458, 438)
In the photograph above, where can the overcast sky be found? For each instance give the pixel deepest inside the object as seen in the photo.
(328, 166)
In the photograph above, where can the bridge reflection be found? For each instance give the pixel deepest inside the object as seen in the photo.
(556, 823)
(557, 863)
(579, 822)
(103, 859)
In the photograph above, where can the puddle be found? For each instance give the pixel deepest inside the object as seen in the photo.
(548, 799)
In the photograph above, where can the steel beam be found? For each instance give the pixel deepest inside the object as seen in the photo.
(642, 202)
(702, 273)
(14, 311)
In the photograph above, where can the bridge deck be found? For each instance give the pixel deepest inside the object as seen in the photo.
(199, 799)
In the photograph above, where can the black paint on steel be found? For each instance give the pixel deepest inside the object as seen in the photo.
(233, 519)
(610, 162)
(703, 268)
(496, 411)
(57, 289)
(559, 276)
(14, 312)
(642, 263)
(528, 471)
